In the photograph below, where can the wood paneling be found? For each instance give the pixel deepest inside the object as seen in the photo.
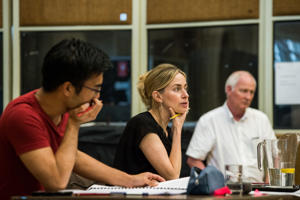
(286, 7)
(172, 11)
(73, 12)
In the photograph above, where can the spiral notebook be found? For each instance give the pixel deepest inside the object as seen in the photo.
(172, 187)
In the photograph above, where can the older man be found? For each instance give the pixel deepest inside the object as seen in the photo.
(229, 134)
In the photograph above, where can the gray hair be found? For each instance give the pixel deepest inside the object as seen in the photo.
(235, 77)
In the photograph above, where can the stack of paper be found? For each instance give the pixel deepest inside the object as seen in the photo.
(172, 187)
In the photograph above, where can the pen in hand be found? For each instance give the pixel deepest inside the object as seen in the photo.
(91, 105)
(176, 115)
(81, 113)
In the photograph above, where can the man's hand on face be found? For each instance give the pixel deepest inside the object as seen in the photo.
(86, 112)
(146, 178)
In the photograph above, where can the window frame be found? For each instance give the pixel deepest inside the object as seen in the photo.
(139, 28)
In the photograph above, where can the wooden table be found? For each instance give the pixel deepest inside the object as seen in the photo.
(154, 197)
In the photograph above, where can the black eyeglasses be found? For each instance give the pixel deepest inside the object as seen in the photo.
(93, 89)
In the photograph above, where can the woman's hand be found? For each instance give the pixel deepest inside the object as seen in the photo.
(177, 119)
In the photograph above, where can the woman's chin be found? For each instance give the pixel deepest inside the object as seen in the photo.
(180, 111)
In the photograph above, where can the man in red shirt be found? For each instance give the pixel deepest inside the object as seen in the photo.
(39, 130)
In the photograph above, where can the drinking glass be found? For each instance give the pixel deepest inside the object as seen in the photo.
(233, 178)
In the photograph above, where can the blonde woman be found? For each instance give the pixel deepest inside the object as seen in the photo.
(148, 144)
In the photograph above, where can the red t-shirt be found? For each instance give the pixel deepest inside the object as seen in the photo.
(24, 127)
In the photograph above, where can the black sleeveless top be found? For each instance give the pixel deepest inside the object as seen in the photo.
(129, 157)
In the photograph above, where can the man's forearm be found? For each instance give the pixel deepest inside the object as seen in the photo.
(51, 169)
(66, 153)
(93, 169)
(192, 162)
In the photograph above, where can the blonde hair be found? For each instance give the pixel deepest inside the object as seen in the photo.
(156, 79)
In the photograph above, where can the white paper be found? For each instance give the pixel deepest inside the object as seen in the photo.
(176, 183)
(287, 83)
(172, 187)
(297, 193)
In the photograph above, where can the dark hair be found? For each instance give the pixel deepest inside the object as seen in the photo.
(72, 60)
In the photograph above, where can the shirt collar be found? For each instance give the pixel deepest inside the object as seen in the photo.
(245, 116)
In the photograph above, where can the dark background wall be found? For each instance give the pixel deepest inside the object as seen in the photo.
(100, 142)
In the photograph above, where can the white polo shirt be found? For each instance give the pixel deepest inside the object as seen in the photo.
(222, 140)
